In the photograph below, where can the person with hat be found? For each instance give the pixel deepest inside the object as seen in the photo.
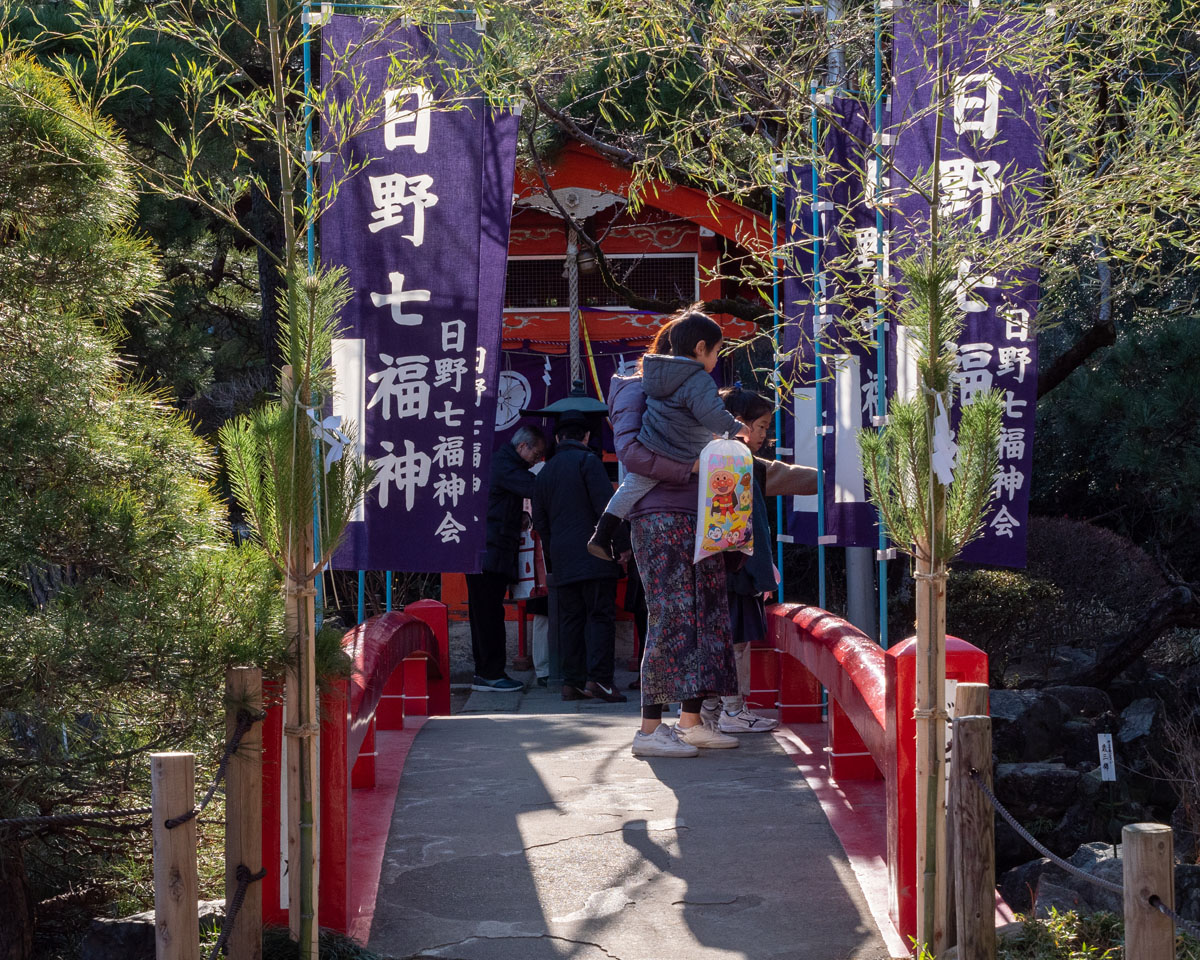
(570, 495)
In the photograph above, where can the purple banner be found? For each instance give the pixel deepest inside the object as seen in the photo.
(422, 229)
(990, 176)
(829, 309)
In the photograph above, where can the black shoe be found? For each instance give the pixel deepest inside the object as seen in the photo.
(636, 685)
(571, 692)
(601, 544)
(543, 682)
(605, 692)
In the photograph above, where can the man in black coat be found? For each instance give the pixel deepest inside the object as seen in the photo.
(510, 485)
(570, 495)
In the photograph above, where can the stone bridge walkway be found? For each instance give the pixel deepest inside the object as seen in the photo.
(525, 830)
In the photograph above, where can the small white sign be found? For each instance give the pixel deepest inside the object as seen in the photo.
(1108, 762)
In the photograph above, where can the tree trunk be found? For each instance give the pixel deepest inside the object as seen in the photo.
(16, 924)
(1177, 608)
(932, 887)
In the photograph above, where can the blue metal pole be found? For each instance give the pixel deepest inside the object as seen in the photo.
(362, 595)
(312, 256)
(818, 367)
(778, 411)
(880, 342)
(389, 591)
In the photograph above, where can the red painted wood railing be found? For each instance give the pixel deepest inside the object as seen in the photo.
(872, 694)
(400, 666)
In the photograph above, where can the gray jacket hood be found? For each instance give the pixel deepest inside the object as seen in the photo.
(663, 374)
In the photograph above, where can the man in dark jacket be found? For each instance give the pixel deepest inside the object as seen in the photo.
(510, 485)
(570, 495)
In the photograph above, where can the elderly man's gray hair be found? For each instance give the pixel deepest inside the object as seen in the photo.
(530, 435)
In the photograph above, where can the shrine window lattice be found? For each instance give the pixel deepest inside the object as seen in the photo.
(538, 283)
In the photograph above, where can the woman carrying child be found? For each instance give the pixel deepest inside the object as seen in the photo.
(750, 583)
(661, 422)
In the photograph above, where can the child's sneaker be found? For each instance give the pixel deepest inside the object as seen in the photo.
(707, 739)
(601, 544)
(663, 742)
(745, 722)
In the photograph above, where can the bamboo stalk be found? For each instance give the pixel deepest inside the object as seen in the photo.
(300, 711)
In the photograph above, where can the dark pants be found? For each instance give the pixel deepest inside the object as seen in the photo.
(587, 630)
(489, 640)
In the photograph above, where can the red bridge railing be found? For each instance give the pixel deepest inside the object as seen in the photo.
(400, 667)
(871, 731)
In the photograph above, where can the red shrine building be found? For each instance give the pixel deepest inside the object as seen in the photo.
(679, 244)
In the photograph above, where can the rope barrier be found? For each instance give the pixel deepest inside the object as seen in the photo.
(70, 819)
(1028, 838)
(245, 720)
(244, 879)
(1187, 926)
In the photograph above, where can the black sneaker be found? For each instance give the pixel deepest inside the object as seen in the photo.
(502, 684)
(543, 681)
(601, 544)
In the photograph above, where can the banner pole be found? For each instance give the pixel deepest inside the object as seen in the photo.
(779, 531)
(880, 323)
(818, 371)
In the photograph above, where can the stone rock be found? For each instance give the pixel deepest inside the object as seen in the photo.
(1096, 859)
(1137, 719)
(1036, 790)
(1026, 724)
(1005, 932)
(1017, 886)
(1052, 896)
(132, 938)
(1187, 891)
(1081, 701)
(1079, 743)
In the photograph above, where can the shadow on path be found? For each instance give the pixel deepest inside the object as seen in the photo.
(540, 836)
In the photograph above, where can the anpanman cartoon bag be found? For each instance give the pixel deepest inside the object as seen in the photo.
(723, 520)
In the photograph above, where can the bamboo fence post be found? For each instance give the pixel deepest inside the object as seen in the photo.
(176, 881)
(300, 728)
(930, 713)
(1147, 852)
(243, 811)
(970, 700)
(975, 856)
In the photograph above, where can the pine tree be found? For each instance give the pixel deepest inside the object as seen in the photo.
(122, 598)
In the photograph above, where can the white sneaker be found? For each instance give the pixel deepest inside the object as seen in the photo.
(663, 742)
(745, 722)
(707, 738)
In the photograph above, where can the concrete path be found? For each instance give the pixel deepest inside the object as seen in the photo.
(533, 834)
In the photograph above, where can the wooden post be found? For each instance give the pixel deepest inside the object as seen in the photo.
(1147, 852)
(243, 811)
(176, 882)
(974, 828)
(970, 700)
